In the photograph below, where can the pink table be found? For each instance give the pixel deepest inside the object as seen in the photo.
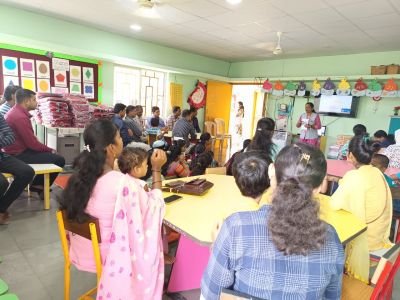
(337, 168)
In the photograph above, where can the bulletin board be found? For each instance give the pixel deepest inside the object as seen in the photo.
(33, 69)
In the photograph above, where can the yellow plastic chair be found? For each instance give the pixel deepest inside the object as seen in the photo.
(89, 230)
(217, 170)
(211, 128)
(221, 136)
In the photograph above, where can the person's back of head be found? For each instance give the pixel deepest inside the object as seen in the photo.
(246, 143)
(155, 122)
(10, 91)
(205, 137)
(23, 95)
(294, 222)
(185, 114)
(360, 150)
(250, 170)
(201, 163)
(380, 134)
(262, 139)
(359, 129)
(89, 165)
(119, 108)
(380, 161)
(130, 109)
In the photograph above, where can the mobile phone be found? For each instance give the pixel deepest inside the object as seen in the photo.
(172, 198)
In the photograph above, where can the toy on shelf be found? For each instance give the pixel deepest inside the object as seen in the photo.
(360, 88)
(267, 86)
(278, 89)
(316, 88)
(329, 88)
(343, 88)
(301, 91)
(374, 89)
(290, 89)
(390, 89)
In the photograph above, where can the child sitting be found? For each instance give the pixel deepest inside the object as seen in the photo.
(201, 163)
(177, 165)
(381, 162)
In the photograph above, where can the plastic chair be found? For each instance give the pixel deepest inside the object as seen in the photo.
(211, 127)
(89, 230)
(3, 287)
(221, 136)
(217, 170)
(9, 297)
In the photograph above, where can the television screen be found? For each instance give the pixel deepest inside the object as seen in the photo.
(341, 106)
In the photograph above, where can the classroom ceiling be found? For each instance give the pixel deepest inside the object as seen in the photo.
(246, 31)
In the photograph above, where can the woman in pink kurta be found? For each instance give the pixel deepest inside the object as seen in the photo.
(309, 124)
(130, 218)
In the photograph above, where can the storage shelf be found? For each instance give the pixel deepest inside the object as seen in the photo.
(256, 80)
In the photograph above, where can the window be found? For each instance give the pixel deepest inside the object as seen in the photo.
(140, 87)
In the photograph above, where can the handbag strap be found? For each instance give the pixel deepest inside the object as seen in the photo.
(386, 201)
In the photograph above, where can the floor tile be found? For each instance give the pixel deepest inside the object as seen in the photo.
(45, 259)
(7, 242)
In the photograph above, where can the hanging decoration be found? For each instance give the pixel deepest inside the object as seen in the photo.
(360, 88)
(197, 98)
(301, 91)
(278, 89)
(343, 88)
(267, 86)
(329, 88)
(374, 89)
(316, 88)
(290, 89)
(390, 89)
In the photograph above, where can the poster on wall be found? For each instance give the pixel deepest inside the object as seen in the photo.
(60, 64)
(75, 88)
(88, 90)
(28, 83)
(42, 69)
(10, 80)
(60, 78)
(75, 73)
(88, 75)
(43, 85)
(27, 67)
(10, 65)
(59, 90)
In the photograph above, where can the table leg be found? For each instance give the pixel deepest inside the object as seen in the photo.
(190, 263)
(47, 191)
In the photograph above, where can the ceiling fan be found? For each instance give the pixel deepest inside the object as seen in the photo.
(148, 8)
(278, 49)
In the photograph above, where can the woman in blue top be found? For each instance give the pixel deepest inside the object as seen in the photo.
(283, 250)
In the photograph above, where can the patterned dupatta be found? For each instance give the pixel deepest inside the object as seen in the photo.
(134, 266)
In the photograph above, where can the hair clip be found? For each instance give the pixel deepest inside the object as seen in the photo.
(87, 148)
(259, 129)
(306, 157)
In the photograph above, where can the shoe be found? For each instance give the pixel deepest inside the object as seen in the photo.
(4, 219)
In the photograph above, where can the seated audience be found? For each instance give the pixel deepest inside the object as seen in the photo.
(155, 110)
(230, 162)
(262, 140)
(358, 130)
(22, 173)
(118, 120)
(177, 165)
(26, 147)
(393, 152)
(183, 128)
(9, 97)
(114, 198)
(365, 193)
(134, 130)
(283, 250)
(383, 138)
(201, 163)
(171, 120)
(139, 118)
(194, 120)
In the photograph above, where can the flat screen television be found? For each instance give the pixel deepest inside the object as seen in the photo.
(337, 106)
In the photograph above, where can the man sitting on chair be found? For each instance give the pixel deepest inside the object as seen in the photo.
(27, 147)
(22, 173)
(183, 127)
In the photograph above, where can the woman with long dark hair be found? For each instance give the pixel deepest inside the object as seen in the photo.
(239, 119)
(118, 201)
(262, 140)
(309, 124)
(365, 193)
(283, 250)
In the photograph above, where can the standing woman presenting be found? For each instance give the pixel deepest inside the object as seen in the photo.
(239, 118)
(309, 123)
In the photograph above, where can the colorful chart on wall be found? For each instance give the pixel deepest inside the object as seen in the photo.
(75, 88)
(60, 78)
(10, 65)
(75, 73)
(28, 83)
(27, 67)
(59, 90)
(88, 75)
(42, 69)
(43, 85)
(10, 80)
(88, 90)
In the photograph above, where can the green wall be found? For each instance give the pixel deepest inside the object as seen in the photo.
(25, 28)
(108, 83)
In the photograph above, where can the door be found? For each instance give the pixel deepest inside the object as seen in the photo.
(218, 102)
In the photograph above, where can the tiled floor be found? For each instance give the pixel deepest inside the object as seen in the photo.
(32, 262)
